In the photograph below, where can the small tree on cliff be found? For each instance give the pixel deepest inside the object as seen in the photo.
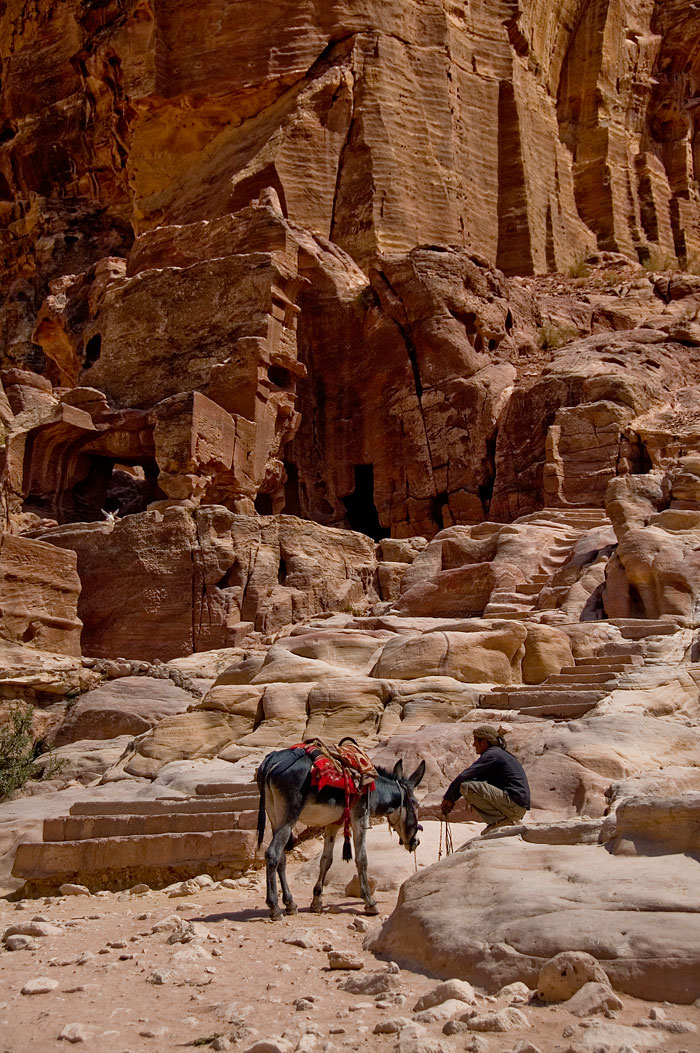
(19, 751)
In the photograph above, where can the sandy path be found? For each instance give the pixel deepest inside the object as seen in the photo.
(132, 990)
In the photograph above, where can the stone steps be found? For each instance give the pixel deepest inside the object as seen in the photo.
(79, 828)
(165, 806)
(614, 661)
(117, 844)
(640, 628)
(584, 679)
(121, 862)
(541, 702)
(567, 527)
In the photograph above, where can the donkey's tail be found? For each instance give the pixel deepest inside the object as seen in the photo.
(262, 782)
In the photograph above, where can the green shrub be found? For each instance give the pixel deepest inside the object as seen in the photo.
(551, 337)
(19, 752)
(580, 268)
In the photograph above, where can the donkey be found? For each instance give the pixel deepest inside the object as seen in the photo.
(287, 797)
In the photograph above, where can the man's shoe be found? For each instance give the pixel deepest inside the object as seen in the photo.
(497, 826)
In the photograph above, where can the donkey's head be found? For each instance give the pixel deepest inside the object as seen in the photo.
(404, 819)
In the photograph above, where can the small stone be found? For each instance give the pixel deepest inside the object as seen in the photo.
(303, 940)
(169, 924)
(41, 985)
(37, 927)
(455, 1027)
(568, 1031)
(21, 943)
(372, 983)
(517, 992)
(117, 945)
(84, 958)
(140, 889)
(221, 1043)
(593, 998)
(563, 975)
(449, 990)
(302, 1004)
(437, 1013)
(527, 1047)
(504, 1020)
(344, 960)
(154, 1032)
(271, 1045)
(657, 1013)
(204, 881)
(361, 924)
(75, 1033)
(74, 890)
(677, 1027)
(391, 1027)
(160, 976)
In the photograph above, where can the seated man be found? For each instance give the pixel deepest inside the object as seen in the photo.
(495, 785)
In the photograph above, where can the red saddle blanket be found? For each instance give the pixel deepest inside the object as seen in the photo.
(345, 766)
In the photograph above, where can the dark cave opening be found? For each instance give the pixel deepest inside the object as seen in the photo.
(112, 486)
(360, 507)
(92, 350)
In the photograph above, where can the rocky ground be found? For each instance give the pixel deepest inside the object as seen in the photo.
(155, 970)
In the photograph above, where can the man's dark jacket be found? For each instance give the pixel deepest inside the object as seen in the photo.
(499, 768)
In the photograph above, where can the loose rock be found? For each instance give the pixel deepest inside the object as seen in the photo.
(74, 890)
(344, 960)
(566, 973)
(75, 1033)
(41, 985)
(458, 990)
(504, 1020)
(593, 998)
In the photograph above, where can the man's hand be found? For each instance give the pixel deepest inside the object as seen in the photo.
(446, 806)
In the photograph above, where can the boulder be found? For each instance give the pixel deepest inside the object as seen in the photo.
(566, 973)
(127, 706)
(547, 651)
(637, 917)
(487, 654)
(39, 587)
(656, 825)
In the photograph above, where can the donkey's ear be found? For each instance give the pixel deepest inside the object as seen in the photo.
(397, 773)
(414, 779)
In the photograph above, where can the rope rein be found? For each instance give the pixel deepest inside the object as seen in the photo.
(449, 844)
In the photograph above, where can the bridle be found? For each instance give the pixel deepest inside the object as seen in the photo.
(405, 812)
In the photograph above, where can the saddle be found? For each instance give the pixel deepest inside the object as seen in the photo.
(346, 766)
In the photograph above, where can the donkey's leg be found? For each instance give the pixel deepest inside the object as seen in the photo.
(273, 858)
(325, 866)
(359, 836)
(287, 897)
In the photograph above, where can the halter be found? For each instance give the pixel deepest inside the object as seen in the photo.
(406, 804)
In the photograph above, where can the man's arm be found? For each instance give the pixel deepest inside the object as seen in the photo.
(452, 791)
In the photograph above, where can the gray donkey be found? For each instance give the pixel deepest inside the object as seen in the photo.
(287, 796)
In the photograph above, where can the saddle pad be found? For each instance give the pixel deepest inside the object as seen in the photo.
(346, 766)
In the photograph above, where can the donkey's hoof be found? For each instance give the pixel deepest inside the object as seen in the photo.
(291, 908)
(316, 908)
(371, 908)
(276, 915)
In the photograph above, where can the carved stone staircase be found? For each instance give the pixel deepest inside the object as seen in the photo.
(568, 525)
(117, 844)
(568, 694)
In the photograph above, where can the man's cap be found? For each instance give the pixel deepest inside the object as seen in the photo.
(489, 733)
